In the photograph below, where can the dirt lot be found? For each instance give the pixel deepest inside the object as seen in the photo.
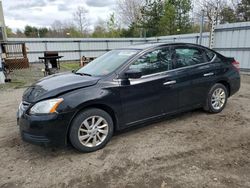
(193, 149)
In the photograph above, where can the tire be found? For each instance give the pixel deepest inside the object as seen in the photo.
(87, 136)
(211, 100)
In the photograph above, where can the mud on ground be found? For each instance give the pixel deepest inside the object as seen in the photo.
(194, 149)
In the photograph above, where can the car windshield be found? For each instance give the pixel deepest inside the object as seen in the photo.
(106, 63)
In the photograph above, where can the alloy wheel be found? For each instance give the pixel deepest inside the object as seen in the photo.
(218, 98)
(93, 131)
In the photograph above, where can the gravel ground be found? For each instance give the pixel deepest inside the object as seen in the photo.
(193, 149)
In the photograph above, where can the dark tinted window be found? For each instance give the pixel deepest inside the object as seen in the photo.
(153, 62)
(186, 56)
(210, 55)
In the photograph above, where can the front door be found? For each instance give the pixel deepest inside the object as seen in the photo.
(149, 96)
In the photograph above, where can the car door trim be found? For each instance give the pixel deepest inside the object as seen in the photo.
(169, 82)
(164, 73)
(208, 74)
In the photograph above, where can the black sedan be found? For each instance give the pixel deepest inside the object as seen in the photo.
(123, 88)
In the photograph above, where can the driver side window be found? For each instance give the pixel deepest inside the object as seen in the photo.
(153, 62)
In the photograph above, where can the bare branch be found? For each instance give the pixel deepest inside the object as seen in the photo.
(80, 18)
(129, 10)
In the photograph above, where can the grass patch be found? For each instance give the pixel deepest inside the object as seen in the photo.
(13, 84)
(26, 77)
(70, 66)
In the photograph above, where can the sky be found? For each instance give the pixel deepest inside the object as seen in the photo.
(42, 13)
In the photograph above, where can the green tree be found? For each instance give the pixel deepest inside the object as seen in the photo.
(131, 31)
(227, 15)
(167, 23)
(30, 31)
(183, 8)
(9, 32)
(176, 17)
(100, 30)
(243, 10)
(72, 32)
(151, 14)
(43, 32)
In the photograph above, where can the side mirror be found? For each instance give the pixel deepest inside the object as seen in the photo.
(133, 74)
(73, 71)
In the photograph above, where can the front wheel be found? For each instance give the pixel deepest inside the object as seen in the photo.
(216, 98)
(91, 130)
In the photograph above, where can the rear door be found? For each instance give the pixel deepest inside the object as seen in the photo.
(199, 72)
(204, 75)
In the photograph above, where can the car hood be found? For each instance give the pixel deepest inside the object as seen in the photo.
(56, 84)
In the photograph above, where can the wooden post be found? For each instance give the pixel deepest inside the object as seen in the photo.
(24, 50)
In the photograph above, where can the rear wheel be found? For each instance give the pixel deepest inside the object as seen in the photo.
(216, 99)
(91, 130)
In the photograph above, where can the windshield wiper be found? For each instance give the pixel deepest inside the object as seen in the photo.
(83, 74)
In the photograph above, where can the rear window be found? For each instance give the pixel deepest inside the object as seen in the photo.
(186, 56)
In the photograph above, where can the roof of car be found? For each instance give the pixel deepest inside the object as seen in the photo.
(148, 45)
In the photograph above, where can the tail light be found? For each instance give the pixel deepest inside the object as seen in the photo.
(236, 64)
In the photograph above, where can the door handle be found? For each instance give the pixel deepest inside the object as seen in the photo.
(169, 82)
(209, 74)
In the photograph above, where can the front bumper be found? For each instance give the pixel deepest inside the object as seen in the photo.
(45, 129)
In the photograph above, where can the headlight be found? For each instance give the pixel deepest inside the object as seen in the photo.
(46, 107)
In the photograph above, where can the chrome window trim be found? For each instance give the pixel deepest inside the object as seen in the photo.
(165, 72)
